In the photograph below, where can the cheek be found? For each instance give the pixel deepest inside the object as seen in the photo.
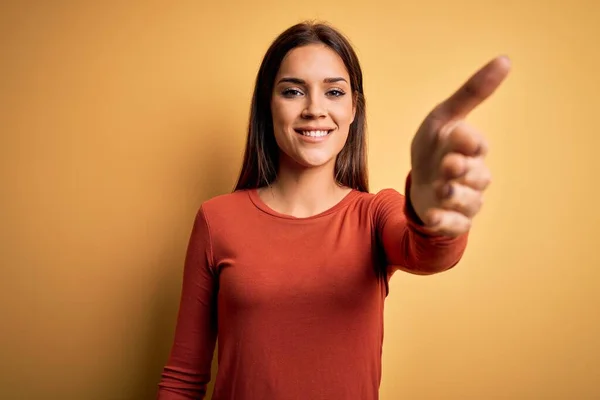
(276, 114)
(343, 114)
(284, 114)
(281, 119)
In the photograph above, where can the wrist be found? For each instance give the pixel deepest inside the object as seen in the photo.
(411, 201)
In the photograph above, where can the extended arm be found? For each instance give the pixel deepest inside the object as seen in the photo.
(406, 243)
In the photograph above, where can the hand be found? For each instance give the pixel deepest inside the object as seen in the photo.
(448, 172)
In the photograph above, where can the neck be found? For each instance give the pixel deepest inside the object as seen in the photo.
(303, 192)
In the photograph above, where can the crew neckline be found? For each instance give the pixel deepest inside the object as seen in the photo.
(261, 205)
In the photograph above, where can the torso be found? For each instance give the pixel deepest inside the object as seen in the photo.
(300, 302)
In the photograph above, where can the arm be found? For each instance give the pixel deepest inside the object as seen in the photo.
(405, 241)
(445, 187)
(188, 370)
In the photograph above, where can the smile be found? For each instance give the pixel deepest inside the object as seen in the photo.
(314, 133)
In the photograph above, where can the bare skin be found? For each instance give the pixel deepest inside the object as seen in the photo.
(448, 156)
(449, 174)
(312, 92)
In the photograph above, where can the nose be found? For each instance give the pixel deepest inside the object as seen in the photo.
(314, 108)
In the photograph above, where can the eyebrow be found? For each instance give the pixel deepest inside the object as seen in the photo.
(299, 81)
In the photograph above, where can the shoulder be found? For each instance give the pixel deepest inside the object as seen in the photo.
(381, 198)
(225, 202)
(230, 209)
(379, 206)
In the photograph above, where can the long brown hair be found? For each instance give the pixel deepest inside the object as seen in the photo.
(261, 157)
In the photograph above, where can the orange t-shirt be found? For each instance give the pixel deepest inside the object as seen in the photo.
(297, 302)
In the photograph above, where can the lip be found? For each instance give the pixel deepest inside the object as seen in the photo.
(314, 128)
(314, 139)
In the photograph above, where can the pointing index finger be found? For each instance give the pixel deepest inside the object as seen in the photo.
(474, 91)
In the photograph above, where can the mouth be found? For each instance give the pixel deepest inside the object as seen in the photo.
(314, 133)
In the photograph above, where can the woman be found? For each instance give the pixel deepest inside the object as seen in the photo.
(291, 270)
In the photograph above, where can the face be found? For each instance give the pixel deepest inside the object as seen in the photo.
(312, 107)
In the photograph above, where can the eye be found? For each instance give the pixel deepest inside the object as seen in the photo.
(336, 93)
(290, 92)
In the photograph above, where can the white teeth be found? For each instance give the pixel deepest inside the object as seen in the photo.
(315, 133)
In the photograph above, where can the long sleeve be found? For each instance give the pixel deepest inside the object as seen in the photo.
(188, 370)
(406, 244)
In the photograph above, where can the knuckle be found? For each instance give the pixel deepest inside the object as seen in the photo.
(466, 226)
(454, 165)
(431, 218)
(488, 178)
(485, 180)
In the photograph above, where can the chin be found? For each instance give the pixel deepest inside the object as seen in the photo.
(317, 163)
(312, 161)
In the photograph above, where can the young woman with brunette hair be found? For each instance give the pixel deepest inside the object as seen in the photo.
(290, 271)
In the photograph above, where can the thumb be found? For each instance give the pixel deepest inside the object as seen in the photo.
(473, 92)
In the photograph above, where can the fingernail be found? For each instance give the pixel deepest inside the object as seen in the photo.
(448, 191)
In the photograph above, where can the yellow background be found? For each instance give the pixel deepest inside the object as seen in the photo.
(117, 120)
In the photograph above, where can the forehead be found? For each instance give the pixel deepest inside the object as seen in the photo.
(313, 62)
